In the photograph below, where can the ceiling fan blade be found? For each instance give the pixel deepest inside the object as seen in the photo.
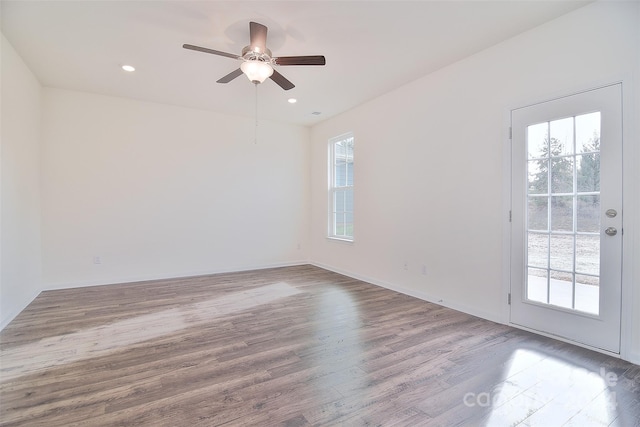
(207, 50)
(281, 80)
(258, 36)
(300, 60)
(232, 75)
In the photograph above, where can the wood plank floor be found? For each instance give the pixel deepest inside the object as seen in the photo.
(292, 346)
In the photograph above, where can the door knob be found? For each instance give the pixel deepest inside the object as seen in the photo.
(611, 231)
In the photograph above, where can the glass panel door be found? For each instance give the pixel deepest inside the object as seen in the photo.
(566, 230)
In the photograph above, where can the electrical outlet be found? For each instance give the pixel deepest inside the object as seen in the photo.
(97, 260)
(406, 265)
(424, 270)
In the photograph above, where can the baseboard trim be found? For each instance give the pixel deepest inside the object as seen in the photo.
(14, 313)
(493, 317)
(182, 275)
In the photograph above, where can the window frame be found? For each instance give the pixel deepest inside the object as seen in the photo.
(333, 188)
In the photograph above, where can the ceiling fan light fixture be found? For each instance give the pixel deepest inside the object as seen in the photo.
(257, 60)
(256, 71)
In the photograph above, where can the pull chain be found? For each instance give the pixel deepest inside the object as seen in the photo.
(255, 135)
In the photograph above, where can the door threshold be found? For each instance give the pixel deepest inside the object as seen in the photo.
(566, 340)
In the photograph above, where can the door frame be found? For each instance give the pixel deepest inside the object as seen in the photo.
(630, 128)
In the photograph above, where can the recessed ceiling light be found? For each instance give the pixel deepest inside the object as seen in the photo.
(292, 100)
(128, 68)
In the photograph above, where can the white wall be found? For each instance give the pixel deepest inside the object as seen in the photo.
(20, 259)
(429, 168)
(161, 191)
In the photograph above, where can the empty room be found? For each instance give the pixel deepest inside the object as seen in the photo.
(320, 213)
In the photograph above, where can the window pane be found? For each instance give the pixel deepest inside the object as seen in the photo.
(538, 250)
(562, 213)
(339, 222)
(561, 248)
(588, 214)
(561, 289)
(562, 175)
(588, 254)
(537, 140)
(538, 215)
(338, 201)
(538, 175)
(348, 200)
(349, 161)
(588, 132)
(335, 223)
(348, 224)
(349, 148)
(537, 285)
(588, 171)
(341, 173)
(561, 141)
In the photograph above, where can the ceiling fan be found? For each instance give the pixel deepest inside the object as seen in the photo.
(257, 60)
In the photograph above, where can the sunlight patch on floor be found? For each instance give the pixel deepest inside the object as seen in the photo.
(541, 391)
(99, 340)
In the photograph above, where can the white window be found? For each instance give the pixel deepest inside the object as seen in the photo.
(341, 187)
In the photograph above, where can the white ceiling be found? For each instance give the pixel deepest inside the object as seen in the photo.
(371, 47)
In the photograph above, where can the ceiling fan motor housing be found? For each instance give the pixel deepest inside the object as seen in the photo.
(254, 53)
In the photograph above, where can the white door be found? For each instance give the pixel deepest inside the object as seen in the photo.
(566, 229)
